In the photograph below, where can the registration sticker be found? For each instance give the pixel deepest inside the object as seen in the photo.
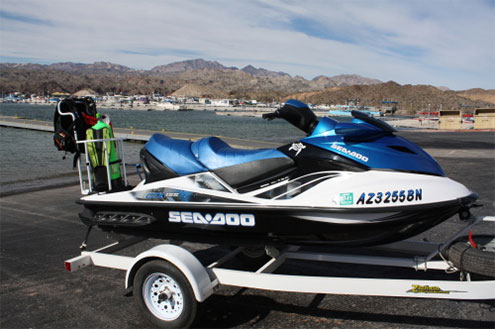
(397, 196)
(346, 199)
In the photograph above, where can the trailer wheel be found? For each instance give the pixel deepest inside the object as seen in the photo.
(479, 260)
(165, 295)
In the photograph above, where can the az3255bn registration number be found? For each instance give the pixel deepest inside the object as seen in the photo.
(390, 196)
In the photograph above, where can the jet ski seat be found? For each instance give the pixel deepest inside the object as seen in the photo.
(239, 166)
(165, 157)
(214, 153)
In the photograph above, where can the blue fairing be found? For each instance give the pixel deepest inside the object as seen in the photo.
(371, 146)
(296, 103)
(325, 125)
(214, 153)
(365, 140)
(175, 154)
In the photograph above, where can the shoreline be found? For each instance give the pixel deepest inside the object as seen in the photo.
(405, 121)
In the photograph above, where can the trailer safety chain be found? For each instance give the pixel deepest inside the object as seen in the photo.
(84, 245)
(451, 269)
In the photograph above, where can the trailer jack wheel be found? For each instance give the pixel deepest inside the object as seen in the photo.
(165, 295)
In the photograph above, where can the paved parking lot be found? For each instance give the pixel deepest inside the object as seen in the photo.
(40, 229)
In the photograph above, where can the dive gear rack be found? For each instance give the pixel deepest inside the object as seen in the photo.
(89, 168)
(86, 184)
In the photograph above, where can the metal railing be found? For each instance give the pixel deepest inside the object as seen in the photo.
(90, 170)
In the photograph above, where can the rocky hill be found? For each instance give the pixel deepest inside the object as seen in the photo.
(96, 67)
(194, 64)
(478, 94)
(249, 82)
(346, 80)
(218, 81)
(260, 72)
(194, 90)
(411, 98)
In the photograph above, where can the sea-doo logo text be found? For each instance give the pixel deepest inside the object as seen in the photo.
(349, 152)
(209, 219)
(298, 147)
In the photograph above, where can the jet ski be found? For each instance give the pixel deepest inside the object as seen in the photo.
(345, 184)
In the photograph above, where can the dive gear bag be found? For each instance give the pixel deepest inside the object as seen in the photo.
(67, 127)
(102, 154)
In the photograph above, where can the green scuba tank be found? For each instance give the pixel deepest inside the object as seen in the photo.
(102, 153)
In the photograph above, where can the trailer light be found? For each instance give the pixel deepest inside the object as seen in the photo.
(67, 266)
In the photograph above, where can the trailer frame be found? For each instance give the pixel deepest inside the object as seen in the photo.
(203, 280)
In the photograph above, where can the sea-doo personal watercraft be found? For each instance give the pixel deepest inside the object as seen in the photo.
(345, 184)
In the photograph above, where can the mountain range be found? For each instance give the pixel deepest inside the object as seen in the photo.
(218, 81)
(184, 66)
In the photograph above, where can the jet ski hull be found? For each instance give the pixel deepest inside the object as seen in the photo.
(346, 183)
(260, 225)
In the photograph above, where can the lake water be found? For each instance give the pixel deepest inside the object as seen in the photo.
(29, 157)
(197, 122)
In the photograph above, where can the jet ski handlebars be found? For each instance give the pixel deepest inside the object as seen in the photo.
(297, 113)
(300, 115)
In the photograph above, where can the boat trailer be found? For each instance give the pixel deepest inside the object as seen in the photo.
(169, 281)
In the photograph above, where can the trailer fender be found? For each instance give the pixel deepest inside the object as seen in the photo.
(197, 275)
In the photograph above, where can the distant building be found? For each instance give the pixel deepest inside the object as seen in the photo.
(220, 102)
(60, 94)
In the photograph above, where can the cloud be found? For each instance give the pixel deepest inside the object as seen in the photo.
(157, 52)
(432, 42)
(19, 17)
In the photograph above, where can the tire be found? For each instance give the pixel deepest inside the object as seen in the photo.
(479, 260)
(253, 256)
(165, 295)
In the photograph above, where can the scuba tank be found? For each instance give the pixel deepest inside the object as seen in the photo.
(103, 154)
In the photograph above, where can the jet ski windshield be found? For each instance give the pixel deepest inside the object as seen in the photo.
(373, 121)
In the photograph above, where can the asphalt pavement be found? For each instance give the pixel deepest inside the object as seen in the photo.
(40, 229)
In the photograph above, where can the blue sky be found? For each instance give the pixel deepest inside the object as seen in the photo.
(438, 42)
